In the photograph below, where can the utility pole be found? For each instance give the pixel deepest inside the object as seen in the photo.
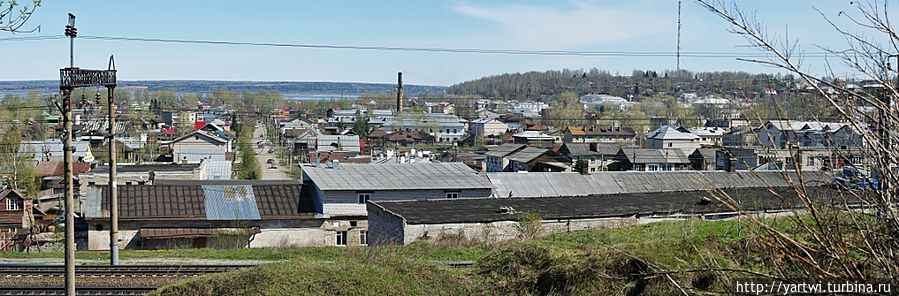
(71, 32)
(113, 188)
(69, 79)
(885, 128)
(678, 34)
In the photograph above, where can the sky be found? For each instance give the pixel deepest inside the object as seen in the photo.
(568, 25)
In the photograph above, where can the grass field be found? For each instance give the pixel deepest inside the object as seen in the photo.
(424, 251)
(587, 262)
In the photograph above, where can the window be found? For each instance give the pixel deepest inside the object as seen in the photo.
(452, 195)
(652, 167)
(364, 197)
(811, 161)
(12, 204)
(353, 223)
(341, 238)
(363, 237)
(669, 144)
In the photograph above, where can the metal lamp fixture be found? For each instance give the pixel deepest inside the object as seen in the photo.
(71, 31)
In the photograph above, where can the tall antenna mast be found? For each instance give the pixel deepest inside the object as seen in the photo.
(678, 34)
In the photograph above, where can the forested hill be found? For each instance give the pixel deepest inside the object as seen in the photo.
(543, 85)
(203, 86)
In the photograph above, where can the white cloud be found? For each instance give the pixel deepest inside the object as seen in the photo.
(580, 23)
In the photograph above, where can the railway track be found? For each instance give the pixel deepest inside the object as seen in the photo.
(35, 270)
(35, 279)
(48, 291)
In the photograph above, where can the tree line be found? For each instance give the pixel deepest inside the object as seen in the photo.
(543, 86)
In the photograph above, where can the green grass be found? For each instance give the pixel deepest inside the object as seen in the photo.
(423, 251)
(361, 274)
(586, 262)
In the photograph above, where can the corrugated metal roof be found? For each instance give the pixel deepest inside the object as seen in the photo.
(483, 210)
(166, 233)
(346, 143)
(204, 200)
(669, 133)
(414, 176)
(53, 147)
(234, 202)
(535, 184)
(417, 120)
(218, 170)
(643, 155)
(545, 184)
(527, 154)
(504, 149)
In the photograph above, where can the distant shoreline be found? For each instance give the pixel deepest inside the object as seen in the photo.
(290, 90)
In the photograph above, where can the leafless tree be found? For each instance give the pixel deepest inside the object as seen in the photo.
(14, 15)
(834, 235)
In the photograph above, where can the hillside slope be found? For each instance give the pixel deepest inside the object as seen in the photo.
(586, 262)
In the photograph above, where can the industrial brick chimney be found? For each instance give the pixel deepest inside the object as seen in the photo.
(399, 92)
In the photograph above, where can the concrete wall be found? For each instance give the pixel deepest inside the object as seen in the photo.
(98, 240)
(499, 231)
(353, 196)
(323, 233)
(289, 237)
(385, 228)
(688, 146)
(496, 164)
(193, 150)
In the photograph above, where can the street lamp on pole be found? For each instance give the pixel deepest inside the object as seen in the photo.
(71, 32)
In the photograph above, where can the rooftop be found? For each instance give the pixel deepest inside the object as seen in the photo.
(642, 155)
(338, 142)
(795, 125)
(533, 135)
(409, 119)
(504, 149)
(390, 176)
(586, 149)
(541, 184)
(561, 208)
(601, 131)
(527, 154)
(669, 133)
(202, 200)
(145, 168)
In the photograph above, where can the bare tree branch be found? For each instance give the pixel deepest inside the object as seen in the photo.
(14, 15)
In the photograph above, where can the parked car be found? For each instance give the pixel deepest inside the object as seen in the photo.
(851, 177)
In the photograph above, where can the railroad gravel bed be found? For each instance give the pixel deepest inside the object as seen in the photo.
(135, 281)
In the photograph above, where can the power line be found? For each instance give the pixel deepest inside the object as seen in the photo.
(611, 53)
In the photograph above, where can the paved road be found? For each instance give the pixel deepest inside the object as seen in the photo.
(263, 156)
